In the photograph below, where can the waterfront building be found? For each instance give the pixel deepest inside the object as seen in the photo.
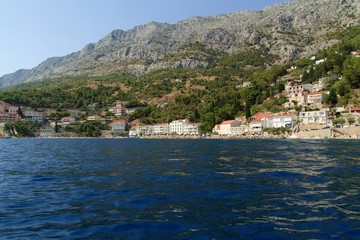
(161, 129)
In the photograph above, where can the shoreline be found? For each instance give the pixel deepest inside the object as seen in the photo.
(195, 138)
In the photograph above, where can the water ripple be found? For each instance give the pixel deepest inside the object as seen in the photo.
(180, 189)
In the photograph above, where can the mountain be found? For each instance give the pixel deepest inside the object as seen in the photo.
(289, 31)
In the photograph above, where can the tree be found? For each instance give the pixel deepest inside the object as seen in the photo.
(22, 130)
(248, 111)
(280, 88)
(7, 127)
(20, 112)
(351, 71)
(332, 99)
(351, 120)
(340, 121)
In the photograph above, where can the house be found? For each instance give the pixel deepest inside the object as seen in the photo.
(320, 61)
(144, 130)
(32, 116)
(355, 111)
(315, 98)
(161, 129)
(178, 126)
(118, 110)
(191, 129)
(322, 116)
(261, 116)
(13, 110)
(68, 120)
(47, 132)
(9, 117)
(226, 127)
(291, 69)
(296, 87)
(94, 118)
(256, 126)
(8, 113)
(118, 126)
(299, 98)
(132, 132)
(281, 120)
(319, 85)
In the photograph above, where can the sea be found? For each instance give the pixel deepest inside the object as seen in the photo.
(179, 189)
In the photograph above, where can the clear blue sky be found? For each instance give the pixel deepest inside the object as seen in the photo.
(33, 30)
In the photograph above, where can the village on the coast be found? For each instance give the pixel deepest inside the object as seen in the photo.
(314, 122)
(306, 115)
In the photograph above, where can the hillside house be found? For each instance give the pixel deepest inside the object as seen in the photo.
(261, 116)
(296, 87)
(68, 120)
(8, 113)
(299, 98)
(315, 99)
(118, 126)
(32, 116)
(94, 118)
(118, 110)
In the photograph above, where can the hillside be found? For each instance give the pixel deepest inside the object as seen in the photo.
(235, 85)
(286, 31)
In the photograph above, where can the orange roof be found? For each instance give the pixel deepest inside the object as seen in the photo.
(119, 121)
(256, 121)
(228, 122)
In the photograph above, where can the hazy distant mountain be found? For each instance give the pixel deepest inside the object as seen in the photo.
(290, 30)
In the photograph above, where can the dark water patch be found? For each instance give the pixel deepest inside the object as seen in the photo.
(179, 189)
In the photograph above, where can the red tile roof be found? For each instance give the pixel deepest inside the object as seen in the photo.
(228, 122)
(256, 121)
(119, 121)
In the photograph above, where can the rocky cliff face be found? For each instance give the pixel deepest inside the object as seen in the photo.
(289, 30)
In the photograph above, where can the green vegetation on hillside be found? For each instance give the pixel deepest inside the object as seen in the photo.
(208, 96)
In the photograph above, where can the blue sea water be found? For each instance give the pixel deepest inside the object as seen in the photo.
(179, 189)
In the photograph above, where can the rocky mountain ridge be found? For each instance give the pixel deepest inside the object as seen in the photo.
(289, 30)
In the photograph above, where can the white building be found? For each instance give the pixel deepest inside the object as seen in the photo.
(322, 116)
(191, 129)
(47, 132)
(144, 130)
(32, 116)
(161, 129)
(283, 120)
(178, 126)
(256, 126)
